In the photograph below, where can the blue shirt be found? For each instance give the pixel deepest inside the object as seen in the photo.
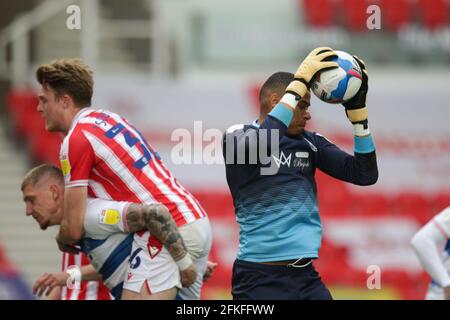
(278, 213)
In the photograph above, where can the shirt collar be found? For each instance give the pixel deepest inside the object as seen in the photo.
(255, 123)
(80, 114)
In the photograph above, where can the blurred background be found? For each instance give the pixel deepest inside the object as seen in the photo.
(164, 64)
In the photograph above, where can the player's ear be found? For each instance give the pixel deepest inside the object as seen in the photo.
(67, 101)
(274, 98)
(55, 192)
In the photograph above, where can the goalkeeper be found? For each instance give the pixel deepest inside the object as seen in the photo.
(274, 191)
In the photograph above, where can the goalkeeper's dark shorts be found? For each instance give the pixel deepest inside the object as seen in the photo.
(255, 281)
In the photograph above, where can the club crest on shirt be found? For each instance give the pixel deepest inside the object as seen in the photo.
(300, 160)
(154, 246)
(282, 160)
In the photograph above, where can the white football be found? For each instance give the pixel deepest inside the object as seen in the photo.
(339, 84)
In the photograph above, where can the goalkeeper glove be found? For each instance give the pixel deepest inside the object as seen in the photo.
(312, 64)
(355, 108)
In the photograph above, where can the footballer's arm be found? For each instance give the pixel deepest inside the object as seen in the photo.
(157, 219)
(55, 294)
(360, 169)
(426, 244)
(88, 273)
(50, 284)
(71, 230)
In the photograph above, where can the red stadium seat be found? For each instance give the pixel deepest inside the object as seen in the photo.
(45, 147)
(253, 91)
(22, 104)
(333, 195)
(401, 280)
(36, 137)
(354, 14)
(412, 204)
(434, 13)
(318, 13)
(395, 14)
(216, 203)
(438, 202)
(370, 205)
(332, 262)
(417, 286)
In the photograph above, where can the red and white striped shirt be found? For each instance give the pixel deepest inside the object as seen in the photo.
(89, 290)
(108, 155)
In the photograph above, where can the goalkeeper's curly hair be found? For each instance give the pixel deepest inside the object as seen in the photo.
(68, 76)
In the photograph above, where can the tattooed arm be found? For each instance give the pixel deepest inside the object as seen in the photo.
(157, 219)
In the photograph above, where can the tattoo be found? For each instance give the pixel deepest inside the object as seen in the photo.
(157, 219)
(134, 218)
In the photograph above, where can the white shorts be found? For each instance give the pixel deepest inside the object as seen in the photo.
(149, 263)
(197, 237)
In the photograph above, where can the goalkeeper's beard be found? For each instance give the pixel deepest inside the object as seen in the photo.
(296, 131)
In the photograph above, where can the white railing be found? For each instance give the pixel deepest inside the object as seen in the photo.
(17, 36)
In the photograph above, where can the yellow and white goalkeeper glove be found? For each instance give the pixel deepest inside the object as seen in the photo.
(313, 63)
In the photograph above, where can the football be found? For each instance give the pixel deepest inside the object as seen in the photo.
(339, 84)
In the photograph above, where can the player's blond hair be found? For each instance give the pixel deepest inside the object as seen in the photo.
(68, 76)
(37, 173)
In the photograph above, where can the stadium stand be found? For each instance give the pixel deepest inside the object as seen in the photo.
(337, 202)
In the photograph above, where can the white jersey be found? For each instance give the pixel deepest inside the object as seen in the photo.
(108, 252)
(432, 246)
(123, 260)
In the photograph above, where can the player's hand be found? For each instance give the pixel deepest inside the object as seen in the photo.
(188, 275)
(48, 281)
(447, 293)
(313, 63)
(69, 248)
(210, 267)
(355, 108)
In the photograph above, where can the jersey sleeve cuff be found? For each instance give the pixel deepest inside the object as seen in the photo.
(77, 183)
(441, 229)
(364, 144)
(282, 113)
(124, 218)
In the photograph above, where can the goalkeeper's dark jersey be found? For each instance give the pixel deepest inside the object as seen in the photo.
(278, 213)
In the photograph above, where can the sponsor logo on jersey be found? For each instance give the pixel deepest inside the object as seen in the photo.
(301, 160)
(65, 166)
(110, 217)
